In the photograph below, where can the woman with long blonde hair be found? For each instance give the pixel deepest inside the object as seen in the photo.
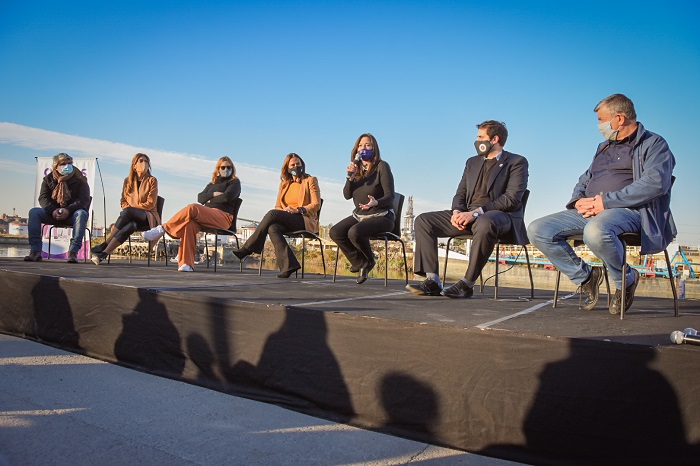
(215, 210)
(139, 203)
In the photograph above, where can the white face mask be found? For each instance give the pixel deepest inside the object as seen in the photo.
(225, 172)
(607, 131)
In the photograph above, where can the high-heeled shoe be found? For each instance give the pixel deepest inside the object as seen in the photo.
(364, 272)
(288, 273)
(241, 253)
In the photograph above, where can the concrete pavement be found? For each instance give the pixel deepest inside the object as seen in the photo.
(59, 408)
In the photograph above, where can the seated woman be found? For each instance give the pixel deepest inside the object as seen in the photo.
(139, 207)
(298, 203)
(216, 211)
(370, 184)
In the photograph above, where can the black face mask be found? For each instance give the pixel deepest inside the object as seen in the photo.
(297, 172)
(483, 147)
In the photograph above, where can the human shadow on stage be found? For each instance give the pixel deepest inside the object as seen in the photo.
(411, 406)
(149, 340)
(53, 316)
(604, 404)
(296, 368)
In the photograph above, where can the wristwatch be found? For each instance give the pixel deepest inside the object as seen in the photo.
(302, 210)
(475, 213)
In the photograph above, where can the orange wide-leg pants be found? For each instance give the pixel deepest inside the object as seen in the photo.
(188, 222)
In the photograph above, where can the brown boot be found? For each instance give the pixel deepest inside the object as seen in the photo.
(34, 256)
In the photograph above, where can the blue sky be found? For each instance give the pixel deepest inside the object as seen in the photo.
(188, 82)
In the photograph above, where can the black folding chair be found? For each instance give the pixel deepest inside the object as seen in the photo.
(304, 235)
(231, 231)
(386, 236)
(504, 241)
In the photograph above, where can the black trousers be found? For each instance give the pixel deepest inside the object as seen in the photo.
(352, 236)
(130, 220)
(276, 223)
(430, 226)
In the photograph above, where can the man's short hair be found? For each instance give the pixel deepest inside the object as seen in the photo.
(495, 128)
(60, 158)
(618, 103)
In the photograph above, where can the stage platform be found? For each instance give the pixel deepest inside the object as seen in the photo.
(512, 378)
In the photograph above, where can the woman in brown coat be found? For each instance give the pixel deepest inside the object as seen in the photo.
(297, 206)
(139, 207)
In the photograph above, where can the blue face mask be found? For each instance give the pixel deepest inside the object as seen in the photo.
(366, 154)
(65, 169)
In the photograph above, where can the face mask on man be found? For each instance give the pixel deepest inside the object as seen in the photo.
(297, 171)
(483, 147)
(607, 131)
(366, 154)
(65, 169)
(225, 172)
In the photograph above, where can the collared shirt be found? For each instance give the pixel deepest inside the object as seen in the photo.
(612, 167)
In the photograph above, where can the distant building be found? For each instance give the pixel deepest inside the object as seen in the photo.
(17, 228)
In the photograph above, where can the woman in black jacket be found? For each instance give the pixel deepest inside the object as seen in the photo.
(370, 184)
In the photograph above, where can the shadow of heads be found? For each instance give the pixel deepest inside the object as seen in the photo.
(53, 317)
(298, 369)
(605, 403)
(411, 406)
(149, 340)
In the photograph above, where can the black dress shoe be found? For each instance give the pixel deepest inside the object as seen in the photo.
(355, 268)
(459, 290)
(364, 272)
(427, 288)
(616, 303)
(590, 289)
(34, 256)
(288, 273)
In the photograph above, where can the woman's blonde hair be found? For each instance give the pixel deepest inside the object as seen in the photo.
(218, 164)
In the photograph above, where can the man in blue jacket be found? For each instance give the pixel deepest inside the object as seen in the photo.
(627, 189)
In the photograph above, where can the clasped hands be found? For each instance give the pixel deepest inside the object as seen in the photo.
(61, 213)
(590, 206)
(460, 220)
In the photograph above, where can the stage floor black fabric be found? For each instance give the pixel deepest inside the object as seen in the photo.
(468, 373)
(649, 322)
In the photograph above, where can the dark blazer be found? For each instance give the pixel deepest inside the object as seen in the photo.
(506, 186)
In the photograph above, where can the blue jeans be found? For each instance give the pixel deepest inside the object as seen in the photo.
(549, 234)
(39, 216)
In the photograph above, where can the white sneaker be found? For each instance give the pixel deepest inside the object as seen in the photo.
(154, 234)
(185, 268)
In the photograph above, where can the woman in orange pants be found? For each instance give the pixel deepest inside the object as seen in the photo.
(215, 210)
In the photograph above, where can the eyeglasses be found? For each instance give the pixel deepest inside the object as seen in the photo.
(224, 167)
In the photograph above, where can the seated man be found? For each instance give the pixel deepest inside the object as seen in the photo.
(488, 204)
(627, 189)
(64, 197)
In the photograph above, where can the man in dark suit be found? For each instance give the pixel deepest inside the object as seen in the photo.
(488, 204)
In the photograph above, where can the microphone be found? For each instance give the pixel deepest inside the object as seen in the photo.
(357, 162)
(689, 336)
